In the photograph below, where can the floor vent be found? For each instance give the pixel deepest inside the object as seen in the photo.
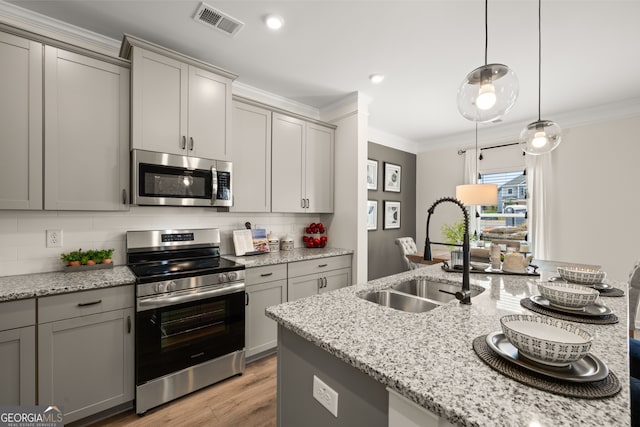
(218, 20)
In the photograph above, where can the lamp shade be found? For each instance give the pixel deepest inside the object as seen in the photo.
(477, 194)
(540, 137)
(487, 93)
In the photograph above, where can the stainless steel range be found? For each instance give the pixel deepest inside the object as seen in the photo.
(189, 313)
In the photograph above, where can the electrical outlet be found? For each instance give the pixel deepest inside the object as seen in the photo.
(54, 238)
(327, 396)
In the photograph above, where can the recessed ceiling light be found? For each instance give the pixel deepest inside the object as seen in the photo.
(274, 22)
(376, 78)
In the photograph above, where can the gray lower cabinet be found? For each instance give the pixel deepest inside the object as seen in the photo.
(265, 286)
(319, 275)
(85, 350)
(18, 353)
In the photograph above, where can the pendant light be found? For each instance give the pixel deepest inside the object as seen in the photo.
(541, 136)
(489, 91)
(477, 194)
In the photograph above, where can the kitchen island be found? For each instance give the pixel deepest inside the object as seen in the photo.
(427, 358)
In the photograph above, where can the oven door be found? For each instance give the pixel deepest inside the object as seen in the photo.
(184, 329)
(167, 179)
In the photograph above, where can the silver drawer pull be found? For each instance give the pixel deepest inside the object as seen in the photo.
(322, 265)
(266, 274)
(85, 304)
(193, 356)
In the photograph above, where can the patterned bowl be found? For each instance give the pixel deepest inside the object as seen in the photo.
(583, 276)
(546, 340)
(568, 295)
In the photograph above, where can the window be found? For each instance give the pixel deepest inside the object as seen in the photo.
(505, 223)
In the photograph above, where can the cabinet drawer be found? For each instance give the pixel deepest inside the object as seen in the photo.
(83, 303)
(268, 273)
(16, 314)
(318, 265)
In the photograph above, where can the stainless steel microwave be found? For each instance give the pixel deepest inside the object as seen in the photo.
(161, 179)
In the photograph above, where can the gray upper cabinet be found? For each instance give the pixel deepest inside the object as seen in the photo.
(20, 123)
(86, 133)
(179, 105)
(250, 152)
(302, 166)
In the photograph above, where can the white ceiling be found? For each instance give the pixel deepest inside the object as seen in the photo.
(327, 49)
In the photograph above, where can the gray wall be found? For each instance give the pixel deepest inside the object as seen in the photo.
(383, 254)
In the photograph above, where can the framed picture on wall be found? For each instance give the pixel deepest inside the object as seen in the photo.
(392, 175)
(372, 174)
(372, 215)
(391, 215)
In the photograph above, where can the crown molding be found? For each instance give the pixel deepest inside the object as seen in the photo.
(393, 141)
(511, 132)
(251, 92)
(39, 24)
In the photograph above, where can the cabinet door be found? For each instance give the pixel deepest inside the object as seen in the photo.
(209, 114)
(303, 286)
(336, 279)
(86, 133)
(319, 174)
(286, 165)
(159, 102)
(18, 367)
(250, 152)
(86, 363)
(20, 123)
(262, 332)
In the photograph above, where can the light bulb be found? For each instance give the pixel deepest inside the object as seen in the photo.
(539, 140)
(274, 22)
(486, 97)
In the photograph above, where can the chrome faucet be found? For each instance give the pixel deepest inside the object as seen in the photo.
(465, 294)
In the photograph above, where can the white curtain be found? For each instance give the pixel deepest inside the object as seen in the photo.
(538, 185)
(471, 177)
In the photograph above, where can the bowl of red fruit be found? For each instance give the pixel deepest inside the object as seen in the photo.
(315, 236)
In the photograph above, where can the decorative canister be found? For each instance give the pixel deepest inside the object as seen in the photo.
(274, 243)
(286, 243)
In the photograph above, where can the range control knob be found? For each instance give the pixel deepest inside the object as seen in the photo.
(171, 286)
(161, 288)
(222, 277)
(232, 275)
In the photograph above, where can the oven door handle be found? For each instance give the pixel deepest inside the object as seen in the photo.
(177, 298)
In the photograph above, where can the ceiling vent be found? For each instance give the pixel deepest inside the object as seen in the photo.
(218, 20)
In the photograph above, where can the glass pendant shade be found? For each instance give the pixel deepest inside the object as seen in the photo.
(487, 93)
(477, 194)
(540, 137)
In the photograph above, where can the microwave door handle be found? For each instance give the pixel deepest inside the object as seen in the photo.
(214, 184)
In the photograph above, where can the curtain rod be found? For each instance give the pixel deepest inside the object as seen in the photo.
(461, 152)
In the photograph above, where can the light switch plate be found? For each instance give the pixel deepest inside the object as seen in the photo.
(327, 396)
(54, 238)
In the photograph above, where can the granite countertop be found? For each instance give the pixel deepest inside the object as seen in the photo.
(429, 359)
(281, 257)
(58, 282)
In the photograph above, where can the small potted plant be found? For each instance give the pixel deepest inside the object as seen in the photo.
(106, 256)
(73, 259)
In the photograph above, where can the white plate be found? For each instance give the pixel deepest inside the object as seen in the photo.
(593, 310)
(587, 369)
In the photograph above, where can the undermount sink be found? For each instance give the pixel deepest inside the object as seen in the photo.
(400, 301)
(436, 291)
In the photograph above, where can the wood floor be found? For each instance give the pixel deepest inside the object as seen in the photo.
(244, 401)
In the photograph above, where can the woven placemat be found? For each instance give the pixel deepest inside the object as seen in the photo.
(607, 387)
(611, 292)
(607, 319)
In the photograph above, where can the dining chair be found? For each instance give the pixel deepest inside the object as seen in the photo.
(407, 246)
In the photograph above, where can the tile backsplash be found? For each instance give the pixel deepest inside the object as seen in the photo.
(23, 233)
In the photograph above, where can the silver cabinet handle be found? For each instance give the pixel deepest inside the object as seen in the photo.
(124, 196)
(322, 265)
(266, 274)
(302, 203)
(325, 282)
(184, 142)
(246, 299)
(86, 304)
(128, 324)
(190, 143)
